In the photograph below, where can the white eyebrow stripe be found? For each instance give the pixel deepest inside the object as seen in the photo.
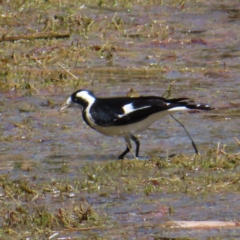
(86, 96)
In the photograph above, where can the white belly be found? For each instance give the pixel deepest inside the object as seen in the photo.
(131, 128)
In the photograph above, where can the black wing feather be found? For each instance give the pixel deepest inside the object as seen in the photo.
(107, 112)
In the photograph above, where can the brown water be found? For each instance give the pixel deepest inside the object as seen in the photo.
(197, 46)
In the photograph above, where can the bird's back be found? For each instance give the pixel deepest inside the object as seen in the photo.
(124, 110)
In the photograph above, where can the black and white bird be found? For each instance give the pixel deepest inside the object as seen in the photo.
(126, 116)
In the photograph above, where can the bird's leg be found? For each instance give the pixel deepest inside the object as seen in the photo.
(137, 142)
(128, 144)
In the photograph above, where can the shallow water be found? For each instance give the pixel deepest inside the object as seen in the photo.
(197, 47)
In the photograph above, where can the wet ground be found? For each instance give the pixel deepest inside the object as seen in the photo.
(111, 49)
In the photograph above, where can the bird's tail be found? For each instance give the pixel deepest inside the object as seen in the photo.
(185, 102)
(199, 106)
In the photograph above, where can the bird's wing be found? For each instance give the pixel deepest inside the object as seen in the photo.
(105, 112)
(122, 111)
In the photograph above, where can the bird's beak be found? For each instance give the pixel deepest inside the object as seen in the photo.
(66, 105)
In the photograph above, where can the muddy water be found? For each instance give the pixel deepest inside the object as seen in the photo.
(200, 53)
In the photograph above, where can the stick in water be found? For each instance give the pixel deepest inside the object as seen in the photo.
(193, 143)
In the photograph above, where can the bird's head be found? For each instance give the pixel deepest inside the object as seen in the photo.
(81, 99)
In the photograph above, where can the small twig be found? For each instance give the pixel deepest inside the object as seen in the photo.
(167, 94)
(82, 229)
(54, 235)
(237, 140)
(37, 35)
(39, 62)
(67, 71)
(113, 20)
(223, 152)
(33, 87)
(103, 46)
(193, 143)
(217, 153)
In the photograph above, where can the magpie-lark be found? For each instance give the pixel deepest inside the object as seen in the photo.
(125, 116)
